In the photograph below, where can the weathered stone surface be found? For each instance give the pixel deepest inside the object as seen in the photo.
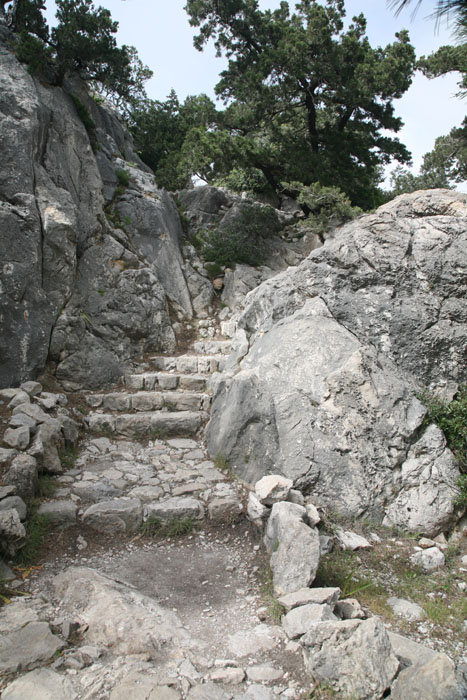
(355, 657)
(27, 647)
(224, 509)
(42, 684)
(426, 501)
(294, 548)
(325, 393)
(298, 621)
(272, 489)
(304, 596)
(435, 680)
(17, 438)
(252, 641)
(60, 511)
(257, 512)
(350, 540)
(349, 609)
(120, 515)
(230, 676)
(176, 507)
(12, 532)
(263, 673)
(16, 503)
(119, 617)
(407, 609)
(429, 559)
(143, 689)
(31, 387)
(22, 473)
(208, 691)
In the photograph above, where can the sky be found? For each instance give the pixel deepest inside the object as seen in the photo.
(160, 31)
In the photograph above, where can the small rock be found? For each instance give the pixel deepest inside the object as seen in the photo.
(18, 400)
(63, 512)
(14, 502)
(296, 496)
(312, 514)
(41, 684)
(229, 676)
(263, 673)
(350, 540)
(299, 620)
(326, 544)
(429, 559)
(407, 609)
(304, 596)
(425, 542)
(272, 489)
(17, 438)
(349, 609)
(32, 388)
(224, 510)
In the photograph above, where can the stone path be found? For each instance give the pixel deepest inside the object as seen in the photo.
(147, 459)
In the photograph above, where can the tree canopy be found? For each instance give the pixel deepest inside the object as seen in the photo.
(83, 42)
(306, 99)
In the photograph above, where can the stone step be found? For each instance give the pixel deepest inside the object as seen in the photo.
(189, 364)
(150, 401)
(213, 347)
(161, 380)
(155, 425)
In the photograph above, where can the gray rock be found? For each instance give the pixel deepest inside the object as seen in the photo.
(294, 546)
(6, 574)
(326, 544)
(6, 456)
(355, 657)
(12, 532)
(16, 503)
(60, 512)
(341, 422)
(21, 419)
(143, 689)
(27, 647)
(435, 680)
(6, 491)
(95, 491)
(263, 673)
(304, 596)
(32, 388)
(349, 609)
(429, 559)
(224, 509)
(426, 500)
(230, 675)
(256, 511)
(176, 507)
(407, 609)
(19, 398)
(208, 691)
(119, 617)
(350, 540)
(272, 489)
(120, 515)
(298, 621)
(22, 473)
(410, 653)
(17, 438)
(253, 641)
(41, 684)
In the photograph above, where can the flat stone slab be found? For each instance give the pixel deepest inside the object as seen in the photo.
(182, 444)
(176, 508)
(61, 511)
(24, 648)
(407, 609)
(321, 596)
(299, 620)
(42, 684)
(118, 515)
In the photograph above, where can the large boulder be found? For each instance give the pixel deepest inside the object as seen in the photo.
(324, 388)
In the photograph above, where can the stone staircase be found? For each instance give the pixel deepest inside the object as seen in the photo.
(169, 402)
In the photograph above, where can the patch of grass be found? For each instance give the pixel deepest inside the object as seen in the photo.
(123, 177)
(175, 527)
(274, 608)
(214, 270)
(68, 456)
(222, 464)
(37, 529)
(451, 417)
(7, 593)
(437, 611)
(46, 486)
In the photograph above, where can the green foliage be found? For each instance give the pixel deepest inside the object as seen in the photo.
(222, 463)
(46, 486)
(242, 238)
(160, 130)
(83, 42)
(123, 177)
(269, 599)
(88, 121)
(214, 270)
(68, 456)
(451, 417)
(325, 207)
(307, 98)
(37, 529)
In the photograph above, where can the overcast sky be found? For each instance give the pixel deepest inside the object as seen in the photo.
(160, 31)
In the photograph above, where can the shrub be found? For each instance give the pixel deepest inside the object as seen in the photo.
(123, 177)
(243, 238)
(325, 207)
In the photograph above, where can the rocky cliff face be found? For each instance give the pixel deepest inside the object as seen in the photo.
(91, 273)
(330, 355)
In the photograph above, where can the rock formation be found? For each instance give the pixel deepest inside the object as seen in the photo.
(330, 356)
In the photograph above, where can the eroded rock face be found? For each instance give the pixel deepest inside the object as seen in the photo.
(88, 270)
(334, 351)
